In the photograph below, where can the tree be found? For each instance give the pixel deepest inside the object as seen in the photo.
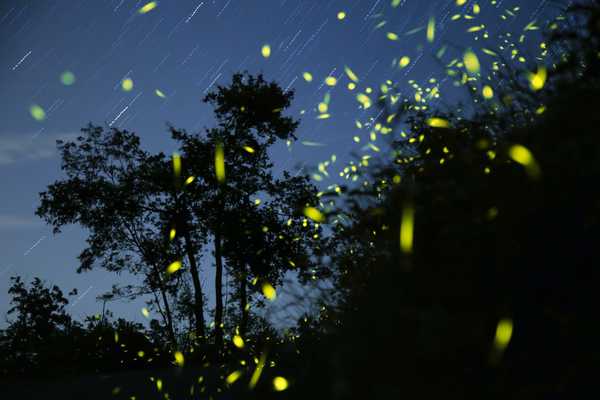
(105, 191)
(498, 271)
(41, 322)
(147, 211)
(232, 169)
(170, 197)
(263, 242)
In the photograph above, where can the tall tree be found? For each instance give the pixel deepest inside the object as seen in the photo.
(232, 164)
(107, 191)
(169, 196)
(264, 241)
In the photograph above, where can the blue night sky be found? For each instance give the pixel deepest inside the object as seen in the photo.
(184, 48)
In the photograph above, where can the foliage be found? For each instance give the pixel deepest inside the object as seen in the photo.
(272, 238)
(41, 322)
(497, 237)
(146, 212)
(105, 192)
(44, 341)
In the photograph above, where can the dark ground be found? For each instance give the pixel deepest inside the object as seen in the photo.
(176, 382)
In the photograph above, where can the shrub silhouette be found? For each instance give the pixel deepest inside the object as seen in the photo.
(493, 240)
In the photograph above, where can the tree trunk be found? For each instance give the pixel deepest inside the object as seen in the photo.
(161, 286)
(243, 304)
(166, 317)
(198, 298)
(218, 291)
(168, 314)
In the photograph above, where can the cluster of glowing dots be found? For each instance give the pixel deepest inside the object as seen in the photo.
(469, 60)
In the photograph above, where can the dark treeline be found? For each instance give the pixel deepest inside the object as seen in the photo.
(461, 265)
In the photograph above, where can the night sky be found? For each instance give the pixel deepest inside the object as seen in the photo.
(183, 49)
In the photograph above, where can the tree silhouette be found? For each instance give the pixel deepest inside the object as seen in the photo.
(263, 242)
(170, 196)
(249, 120)
(146, 211)
(41, 320)
(493, 296)
(108, 190)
